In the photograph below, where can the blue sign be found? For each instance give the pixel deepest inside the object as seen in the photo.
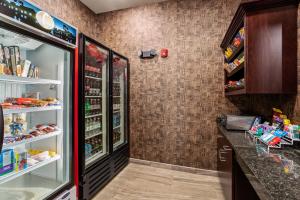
(29, 14)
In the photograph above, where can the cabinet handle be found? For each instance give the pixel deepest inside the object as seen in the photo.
(227, 148)
(221, 158)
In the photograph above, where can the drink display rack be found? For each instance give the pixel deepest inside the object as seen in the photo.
(95, 103)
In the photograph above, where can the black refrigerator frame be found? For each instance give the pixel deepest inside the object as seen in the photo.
(120, 157)
(97, 174)
(38, 35)
(101, 172)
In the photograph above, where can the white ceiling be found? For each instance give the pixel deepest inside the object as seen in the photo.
(101, 6)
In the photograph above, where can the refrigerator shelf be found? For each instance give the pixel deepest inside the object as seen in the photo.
(116, 96)
(118, 143)
(116, 111)
(93, 96)
(12, 175)
(98, 127)
(94, 157)
(25, 80)
(116, 127)
(30, 109)
(34, 139)
(91, 77)
(91, 136)
(117, 82)
(91, 116)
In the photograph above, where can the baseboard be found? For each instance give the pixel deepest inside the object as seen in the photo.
(175, 167)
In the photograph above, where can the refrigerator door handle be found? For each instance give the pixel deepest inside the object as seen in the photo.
(1, 128)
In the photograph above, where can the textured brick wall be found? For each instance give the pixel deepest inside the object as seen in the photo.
(174, 101)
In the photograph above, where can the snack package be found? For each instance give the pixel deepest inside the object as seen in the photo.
(279, 133)
(6, 161)
(267, 137)
(20, 159)
(8, 119)
(275, 141)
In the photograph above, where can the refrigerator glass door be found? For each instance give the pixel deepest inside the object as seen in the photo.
(95, 71)
(119, 101)
(36, 97)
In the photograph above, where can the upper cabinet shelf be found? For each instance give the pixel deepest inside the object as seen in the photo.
(265, 62)
(29, 81)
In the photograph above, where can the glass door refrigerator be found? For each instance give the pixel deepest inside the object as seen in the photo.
(36, 90)
(94, 167)
(119, 111)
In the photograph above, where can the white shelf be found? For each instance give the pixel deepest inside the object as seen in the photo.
(117, 144)
(116, 127)
(14, 174)
(116, 111)
(91, 77)
(116, 82)
(33, 139)
(25, 80)
(30, 109)
(93, 96)
(98, 127)
(94, 157)
(91, 116)
(91, 136)
(116, 96)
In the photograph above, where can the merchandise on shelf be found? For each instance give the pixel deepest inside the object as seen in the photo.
(6, 161)
(116, 120)
(116, 90)
(93, 105)
(20, 159)
(35, 132)
(15, 103)
(237, 41)
(234, 85)
(229, 67)
(116, 135)
(92, 123)
(93, 146)
(92, 87)
(12, 64)
(93, 71)
(280, 129)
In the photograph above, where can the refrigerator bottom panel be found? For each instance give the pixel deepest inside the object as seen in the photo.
(120, 159)
(28, 187)
(96, 177)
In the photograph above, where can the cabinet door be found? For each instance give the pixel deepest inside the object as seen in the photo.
(225, 165)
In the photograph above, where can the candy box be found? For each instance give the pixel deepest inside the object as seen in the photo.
(6, 161)
(21, 160)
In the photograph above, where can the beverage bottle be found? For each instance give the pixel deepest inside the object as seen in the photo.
(87, 107)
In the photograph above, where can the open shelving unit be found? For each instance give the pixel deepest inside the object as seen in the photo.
(269, 48)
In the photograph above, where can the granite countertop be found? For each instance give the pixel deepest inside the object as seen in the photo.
(274, 175)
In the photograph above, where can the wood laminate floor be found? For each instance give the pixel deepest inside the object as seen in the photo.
(140, 182)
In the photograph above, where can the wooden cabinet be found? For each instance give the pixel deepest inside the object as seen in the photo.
(269, 48)
(225, 166)
(235, 184)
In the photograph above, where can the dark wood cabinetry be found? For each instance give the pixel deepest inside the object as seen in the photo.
(269, 47)
(225, 166)
(235, 184)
